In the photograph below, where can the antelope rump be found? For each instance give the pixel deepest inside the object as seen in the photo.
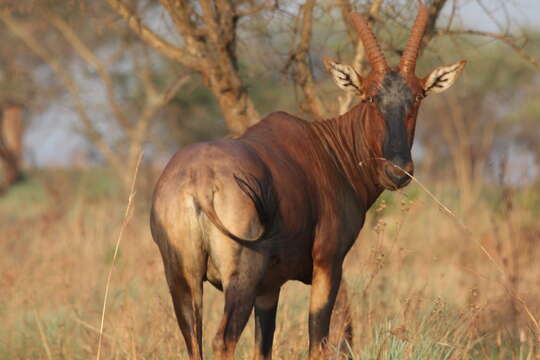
(287, 199)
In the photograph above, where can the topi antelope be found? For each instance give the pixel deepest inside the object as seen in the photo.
(287, 199)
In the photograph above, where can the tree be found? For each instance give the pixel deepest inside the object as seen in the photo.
(11, 134)
(213, 41)
(17, 87)
(209, 34)
(131, 116)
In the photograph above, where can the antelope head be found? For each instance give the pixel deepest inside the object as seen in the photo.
(392, 97)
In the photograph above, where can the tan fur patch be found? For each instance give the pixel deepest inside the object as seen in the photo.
(321, 287)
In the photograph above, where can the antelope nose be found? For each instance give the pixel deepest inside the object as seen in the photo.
(398, 170)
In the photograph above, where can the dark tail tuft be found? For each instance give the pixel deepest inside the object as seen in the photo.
(261, 192)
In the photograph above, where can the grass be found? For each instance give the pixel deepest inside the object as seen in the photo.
(419, 288)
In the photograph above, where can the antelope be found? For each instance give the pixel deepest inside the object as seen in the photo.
(287, 199)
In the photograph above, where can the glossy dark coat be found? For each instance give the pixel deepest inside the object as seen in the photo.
(285, 201)
(295, 188)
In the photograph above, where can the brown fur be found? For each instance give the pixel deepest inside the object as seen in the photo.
(320, 195)
(285, 201)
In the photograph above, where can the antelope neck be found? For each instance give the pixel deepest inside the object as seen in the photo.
(343, 138)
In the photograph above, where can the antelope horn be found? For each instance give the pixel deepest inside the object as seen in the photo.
(373, 51)
(407, 65)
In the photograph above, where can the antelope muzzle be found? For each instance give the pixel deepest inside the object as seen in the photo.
(397, 173)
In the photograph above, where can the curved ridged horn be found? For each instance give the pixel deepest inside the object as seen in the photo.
(407, 64)
(373, 51)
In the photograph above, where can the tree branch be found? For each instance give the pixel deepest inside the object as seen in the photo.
(209, 34)
(222, 23)
(77, 44)
(213, 39)
(210, 19)
(154, 101)
(346, 10)
(267, 4)
(434, 12)
(185, 19)
(504, 38)
(19, 30)
(148, 36)
(173, 88)
(299, 58)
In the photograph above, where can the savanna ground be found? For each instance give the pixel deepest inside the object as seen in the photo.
(423, 284)
(420, 286)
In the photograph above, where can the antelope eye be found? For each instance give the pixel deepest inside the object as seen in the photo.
(420, 97)
(368, 99)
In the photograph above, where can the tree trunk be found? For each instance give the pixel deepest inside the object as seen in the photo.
(11, 132)
(237, 107)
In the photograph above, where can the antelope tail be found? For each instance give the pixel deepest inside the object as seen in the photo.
(262, 195)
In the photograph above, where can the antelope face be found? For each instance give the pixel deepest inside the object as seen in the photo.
(396, 113)
(392, 98)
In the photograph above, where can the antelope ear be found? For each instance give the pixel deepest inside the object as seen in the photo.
(345, 76)
(442, 78)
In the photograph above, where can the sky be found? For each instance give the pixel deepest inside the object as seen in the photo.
(521, 12)
(52, 138)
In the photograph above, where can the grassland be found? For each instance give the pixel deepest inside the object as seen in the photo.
(420, 286)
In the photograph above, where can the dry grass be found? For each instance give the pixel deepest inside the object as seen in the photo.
(420, 289)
